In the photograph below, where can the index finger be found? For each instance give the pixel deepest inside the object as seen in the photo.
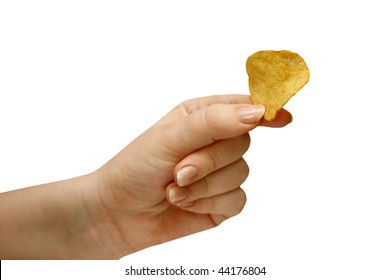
(283, 118)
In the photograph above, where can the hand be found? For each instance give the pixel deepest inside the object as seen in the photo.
(183, 175)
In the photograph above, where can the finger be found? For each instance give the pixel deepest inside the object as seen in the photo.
(206, 126)
(189, 106)
(227, 204)
(283, 118)
(193, 105)
(221, 181)
(213, 157)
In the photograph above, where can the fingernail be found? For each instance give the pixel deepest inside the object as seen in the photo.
(251, 113)
(186, 175)
(177, 194)
(185, 204)
(291, 119)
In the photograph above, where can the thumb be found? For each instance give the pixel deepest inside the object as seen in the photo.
(209, 124)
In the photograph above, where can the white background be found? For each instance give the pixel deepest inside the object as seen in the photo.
(81, 79)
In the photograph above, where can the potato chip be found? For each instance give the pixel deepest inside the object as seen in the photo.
(274, 77)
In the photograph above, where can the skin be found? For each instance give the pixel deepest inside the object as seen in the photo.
(181, 176)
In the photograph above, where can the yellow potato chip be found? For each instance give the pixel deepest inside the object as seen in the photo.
(274, 77)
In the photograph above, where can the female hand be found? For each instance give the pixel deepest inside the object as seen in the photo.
(183, 175)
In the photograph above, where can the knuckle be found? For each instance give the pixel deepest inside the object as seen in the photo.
(212, 160)
(213, 204)
(242, 169)
(241, 202)
(245, 169)
(188, 106)
(246, 141)
(205, 188)
(208, 119)
(241, 143)
(211, 121)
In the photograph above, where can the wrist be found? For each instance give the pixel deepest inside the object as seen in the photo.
(93, 233)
